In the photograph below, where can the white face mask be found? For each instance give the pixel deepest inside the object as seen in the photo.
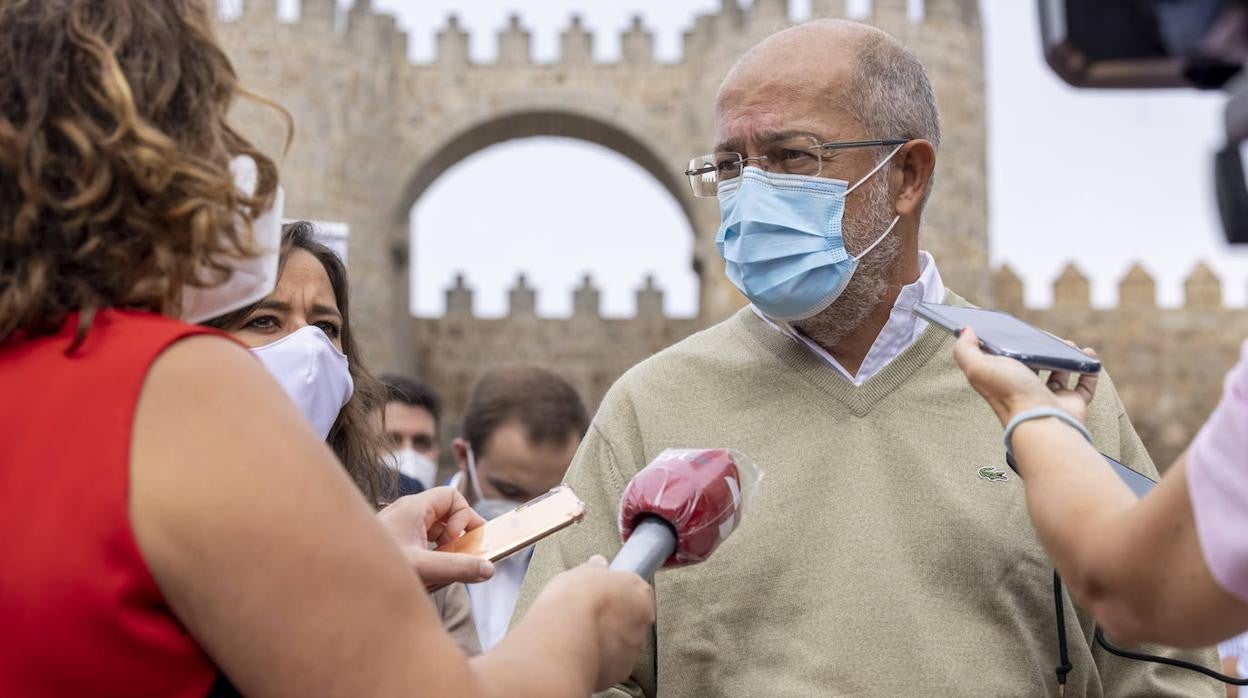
(312, 372)
(415, 465)
(488, 508)
(253, 278)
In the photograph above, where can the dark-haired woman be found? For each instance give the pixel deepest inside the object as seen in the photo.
(168, 514)
(302, 334)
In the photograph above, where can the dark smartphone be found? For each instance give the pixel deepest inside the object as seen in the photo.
(1139, 483)
(1005, 335)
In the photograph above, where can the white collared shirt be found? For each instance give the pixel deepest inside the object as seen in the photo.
(902, 329)
(494, 600)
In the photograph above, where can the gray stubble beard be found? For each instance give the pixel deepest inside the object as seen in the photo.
(871, 280)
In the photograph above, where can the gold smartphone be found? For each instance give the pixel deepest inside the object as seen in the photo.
(519, 528)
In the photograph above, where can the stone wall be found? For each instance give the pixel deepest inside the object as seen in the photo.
(374, 130)
(1167, 363)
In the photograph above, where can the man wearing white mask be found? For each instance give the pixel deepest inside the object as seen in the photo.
(521, 428)
(889, 548)
(412, 417)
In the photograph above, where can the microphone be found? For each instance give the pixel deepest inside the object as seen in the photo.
(681, 506)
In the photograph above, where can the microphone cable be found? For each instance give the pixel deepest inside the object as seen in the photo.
(1064, 666)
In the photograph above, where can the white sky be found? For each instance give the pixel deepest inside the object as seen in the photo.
(1103, 178)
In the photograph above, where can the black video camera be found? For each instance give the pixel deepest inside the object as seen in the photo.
(1200, 44)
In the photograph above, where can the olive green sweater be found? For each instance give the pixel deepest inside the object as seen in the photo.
(875, 560)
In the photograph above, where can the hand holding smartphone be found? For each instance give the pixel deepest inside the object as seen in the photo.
(519, 528)
(1003, 334)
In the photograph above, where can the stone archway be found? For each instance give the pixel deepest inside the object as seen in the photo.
(375, 130)
(494, 128)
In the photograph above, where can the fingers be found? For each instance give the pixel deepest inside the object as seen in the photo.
(448, 515)
(1058, 380)
(596, 561)
(1086, 387)
(404, 519)
(440, 514)
(966, 351)
(440, 569)
(463, 519)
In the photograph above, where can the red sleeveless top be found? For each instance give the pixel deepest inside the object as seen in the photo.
(79, 611)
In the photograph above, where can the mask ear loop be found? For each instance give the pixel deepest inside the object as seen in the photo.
(880, 239)
(875, 169)
(892, 225)
(473, 478)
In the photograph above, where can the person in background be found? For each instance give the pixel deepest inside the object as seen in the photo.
(412, 423)
(302, 334)
(907, 544)
(521, 428)
(200, 532)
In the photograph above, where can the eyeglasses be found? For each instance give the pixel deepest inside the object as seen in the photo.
(802, 155)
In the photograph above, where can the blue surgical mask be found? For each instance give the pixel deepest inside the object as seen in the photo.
(781, 240)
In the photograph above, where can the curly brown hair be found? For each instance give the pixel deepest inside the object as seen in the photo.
(356, 436)
(115, 188)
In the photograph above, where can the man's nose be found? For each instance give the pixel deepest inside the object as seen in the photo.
(759, 161)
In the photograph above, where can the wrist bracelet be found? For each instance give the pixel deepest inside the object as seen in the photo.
(1040, 413)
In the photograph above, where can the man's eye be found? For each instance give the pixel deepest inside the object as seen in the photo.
(514, 493)
(788, 155)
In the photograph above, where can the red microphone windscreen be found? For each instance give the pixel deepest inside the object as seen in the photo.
(697, 491)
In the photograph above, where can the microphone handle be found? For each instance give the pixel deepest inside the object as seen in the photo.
(652, 542)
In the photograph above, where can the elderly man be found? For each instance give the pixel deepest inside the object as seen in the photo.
(886, 552)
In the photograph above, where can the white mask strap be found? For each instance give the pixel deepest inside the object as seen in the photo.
(875, 169)
(883, 235)
(473, 478)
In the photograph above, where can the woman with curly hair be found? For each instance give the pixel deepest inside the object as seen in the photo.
(170, 517)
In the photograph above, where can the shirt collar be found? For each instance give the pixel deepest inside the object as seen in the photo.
(901, 330)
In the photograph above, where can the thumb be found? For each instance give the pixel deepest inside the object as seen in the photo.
(436, 569)
(966, 350)
(596, 561)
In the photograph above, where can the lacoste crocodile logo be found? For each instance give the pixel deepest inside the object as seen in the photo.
(992, 474)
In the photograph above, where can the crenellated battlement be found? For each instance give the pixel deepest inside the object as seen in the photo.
(1137, 340)
(522, 300)
(731, 24)
(1071, 291)
(1137, 290)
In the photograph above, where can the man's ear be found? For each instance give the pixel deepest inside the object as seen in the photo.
(459, 448)
(911, 172)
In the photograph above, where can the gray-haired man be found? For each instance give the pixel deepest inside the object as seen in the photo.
(877, 556)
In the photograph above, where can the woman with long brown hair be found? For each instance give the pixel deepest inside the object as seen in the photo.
(302, 333)
(317, 295)
(169, 515)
